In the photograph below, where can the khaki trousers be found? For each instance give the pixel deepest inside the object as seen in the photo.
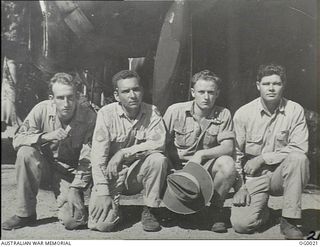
(148, 176)
(288, 179)
(33, 169)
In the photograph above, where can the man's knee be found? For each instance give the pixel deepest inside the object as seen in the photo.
(106, 225)
(297, 160)
(27, 152)
(244, 221)
(157, 161)
(297, 156)
(80, 218)
(225, 165)
(243, 224)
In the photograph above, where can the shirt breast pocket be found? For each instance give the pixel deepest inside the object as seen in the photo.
(281, 139)
(254, 144)
(184, 137)
(210, 137)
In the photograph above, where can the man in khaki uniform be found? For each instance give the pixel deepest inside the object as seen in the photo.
(54, 144)
(272, 142)
(127, 156)
(202, 132)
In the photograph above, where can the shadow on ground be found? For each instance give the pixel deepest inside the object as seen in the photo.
(130, 215)
(45, 221)
(310, 221)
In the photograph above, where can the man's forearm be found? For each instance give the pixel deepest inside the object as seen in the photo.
(141, 150)
(216, 152)
(25, 140)
(44, 138)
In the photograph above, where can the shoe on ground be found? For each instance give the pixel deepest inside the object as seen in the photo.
(216, 215)
(16, 222)
(219, 227)
(289, 230)
(149, 221)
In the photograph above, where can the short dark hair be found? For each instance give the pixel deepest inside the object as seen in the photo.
(206, 75)
(124, 74)
(271, 69)
(65, 79)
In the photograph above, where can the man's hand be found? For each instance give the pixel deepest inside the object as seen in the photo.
(59, 134)
(197, 158)
(115, 165)
(242, 198)
(253, 165)
(101, 207)
(75, 200)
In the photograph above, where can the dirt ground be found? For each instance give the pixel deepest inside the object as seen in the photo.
(173, 226)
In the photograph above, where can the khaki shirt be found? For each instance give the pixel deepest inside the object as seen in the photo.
(74, 151)
(273, 136)
(136, 138)
(186, 135)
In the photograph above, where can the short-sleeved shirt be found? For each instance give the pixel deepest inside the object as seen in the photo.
(43, 119)
(186, 135)
(136, 138)
(273, 136)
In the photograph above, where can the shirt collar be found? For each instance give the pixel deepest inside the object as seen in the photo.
(213, 114)
(52, 111)
(280, 108)
(121, 112)
(189, 107)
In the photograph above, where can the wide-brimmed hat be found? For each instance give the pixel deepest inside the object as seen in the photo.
(189, 189)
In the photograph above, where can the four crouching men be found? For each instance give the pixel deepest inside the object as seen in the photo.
(128, 152)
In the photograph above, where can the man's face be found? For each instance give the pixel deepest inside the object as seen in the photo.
(129, 94)
(64, 97)
(205, 94)
(271, 88)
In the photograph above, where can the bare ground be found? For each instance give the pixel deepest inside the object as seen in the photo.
(173, 226)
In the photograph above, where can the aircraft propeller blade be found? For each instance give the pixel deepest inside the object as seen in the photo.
(172, 38)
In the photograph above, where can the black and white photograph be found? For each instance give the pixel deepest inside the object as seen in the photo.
(160, 120)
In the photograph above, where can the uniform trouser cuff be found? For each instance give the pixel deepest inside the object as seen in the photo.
(151, 202)
(26, 210)
(291, 213)
(25, 214)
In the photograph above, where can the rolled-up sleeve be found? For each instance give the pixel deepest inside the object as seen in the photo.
(168, 120)
(226, 129)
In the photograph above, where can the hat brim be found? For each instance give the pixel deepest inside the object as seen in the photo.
(206, 187)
